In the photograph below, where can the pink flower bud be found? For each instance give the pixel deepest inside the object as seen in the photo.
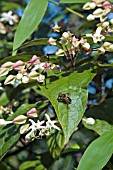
(106, 4)
(21, 119)
(34, 60)
(32, 113)
(18, 65)
(46, 65)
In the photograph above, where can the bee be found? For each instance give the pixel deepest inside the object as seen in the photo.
(64, 98)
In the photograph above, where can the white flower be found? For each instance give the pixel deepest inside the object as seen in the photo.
(97, 37)
(8, 17)
(33, 129)
(51, 123)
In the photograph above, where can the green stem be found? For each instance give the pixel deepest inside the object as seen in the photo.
(68, 9)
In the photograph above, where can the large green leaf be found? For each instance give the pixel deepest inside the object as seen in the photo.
(98, 153)
(9, 135)
(74, 85)
(32, 16)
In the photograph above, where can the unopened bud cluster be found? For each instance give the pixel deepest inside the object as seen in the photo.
(32, 129)
(26, 71)
(71, 45)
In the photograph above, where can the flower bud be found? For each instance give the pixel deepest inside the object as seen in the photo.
(30, 137)
(92, 5)
(4, 71)
(41, 78)
(65, 35)
(105, 24)
(32, 113)
(110, 49)
(60, 52)
(19, 76)
(25, 79)
(111, 21)
(98, 12)
(16, 103)
(21, 119)
(90, 17)
(106, 4)
(52, 41)
(34, 60)
(86, 46)
(90, 121)
(87, 6)
(33, 74)
(24, 129)
(9, 80)
(47, 65)
(101, 50)
(4, 122)
(7, 64)
(56, 28)
(56, 68)
(18, 65)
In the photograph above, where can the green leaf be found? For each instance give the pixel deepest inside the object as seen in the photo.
(55, 143)
(110, 65)
(74, 1)
(9, 135)
(100, 126)
(74, 85)
(98, 153)
(4, 99)
(40, 41)
(31, 18)
(109, 38)
(6, 6)
(28, 164)
(22, 56)
(64, 163)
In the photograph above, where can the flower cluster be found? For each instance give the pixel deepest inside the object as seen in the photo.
(32, 129)
(70, 45)
(103, 12)
(25, 71)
